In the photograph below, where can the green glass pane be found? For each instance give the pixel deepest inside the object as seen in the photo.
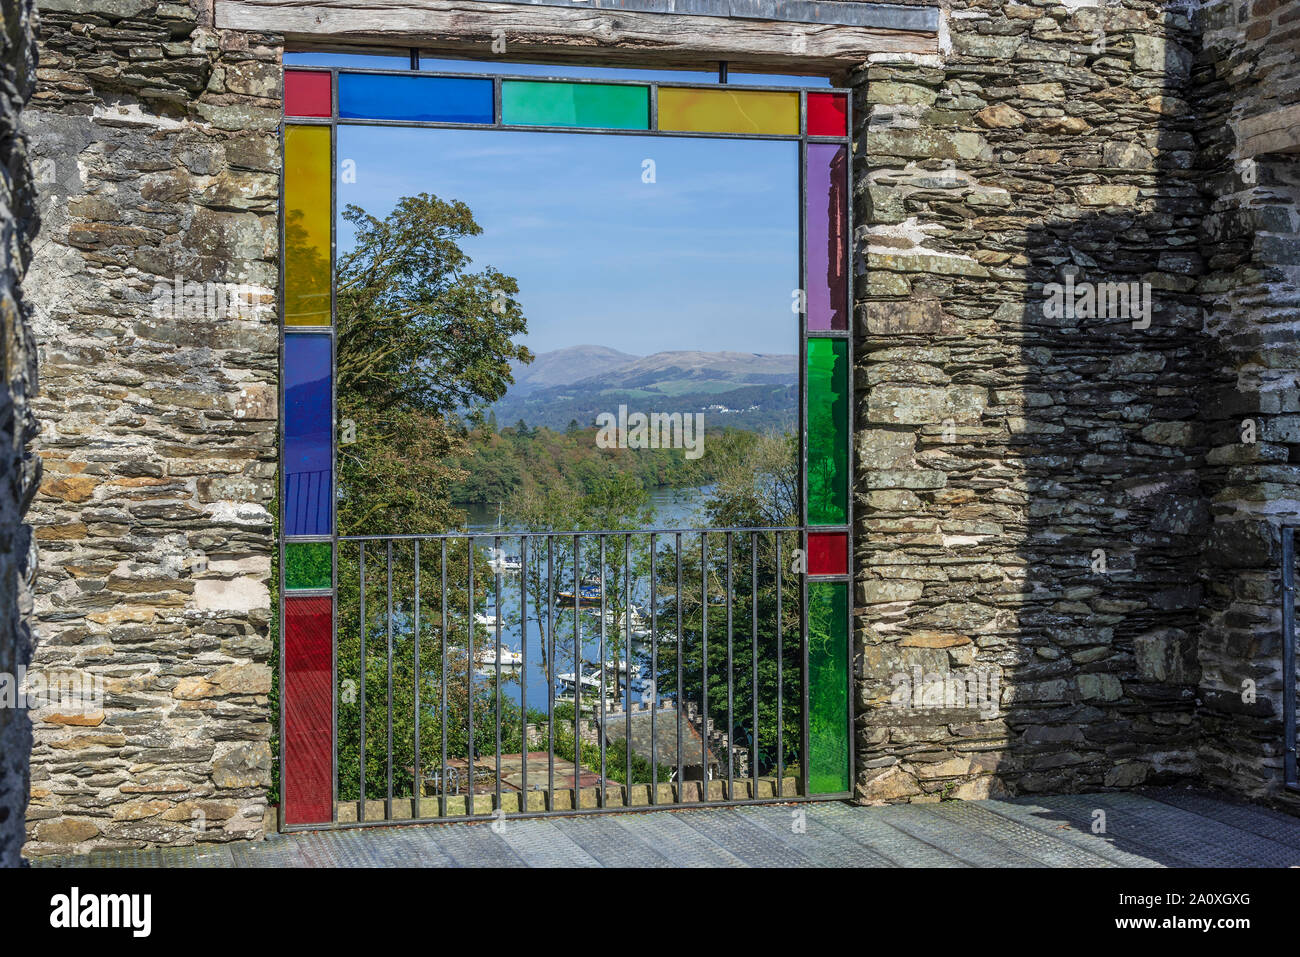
(828, 687)
(828, 432)
(596, 105)
(308, 565)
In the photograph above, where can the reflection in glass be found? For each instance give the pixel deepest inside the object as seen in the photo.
(828, 431)
(308, 418)
(828, 687)
(307, 220)
(827, 236)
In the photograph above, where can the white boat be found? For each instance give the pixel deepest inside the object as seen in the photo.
(488, 618)
(590, 689)
(485, 657)
(505, 564)
(623, 668)
(640, 623)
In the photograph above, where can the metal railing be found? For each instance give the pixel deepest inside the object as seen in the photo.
(516, 673)
(1289, 658)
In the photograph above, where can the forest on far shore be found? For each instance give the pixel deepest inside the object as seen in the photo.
(501, 464)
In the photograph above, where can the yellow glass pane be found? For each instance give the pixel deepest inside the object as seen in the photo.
(307, 219)
(728, 111)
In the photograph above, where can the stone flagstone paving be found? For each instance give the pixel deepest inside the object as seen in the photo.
(1154, 828)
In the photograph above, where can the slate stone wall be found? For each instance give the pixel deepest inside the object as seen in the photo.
(1066, 566)
(1250, 67)
(19, 468)
(156, 150)
(1030, 512)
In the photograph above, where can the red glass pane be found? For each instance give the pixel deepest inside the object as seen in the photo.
(307, 94)
(828, 553)
(827, 114)
(308, 711)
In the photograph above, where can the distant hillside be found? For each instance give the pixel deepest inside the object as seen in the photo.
(733, 389)
(565, 366)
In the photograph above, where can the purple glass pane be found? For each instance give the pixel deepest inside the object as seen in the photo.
(827, 238)
(308, 422)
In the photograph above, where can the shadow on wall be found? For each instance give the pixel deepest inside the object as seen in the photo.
(1030, 473)
(1252, 294)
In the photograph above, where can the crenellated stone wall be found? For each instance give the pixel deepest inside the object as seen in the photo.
(19, 468)
(155, 143)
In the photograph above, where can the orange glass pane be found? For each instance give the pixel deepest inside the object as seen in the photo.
(728, 111)
(307, 220)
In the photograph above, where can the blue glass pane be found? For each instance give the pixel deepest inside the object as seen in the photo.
(308, 423)
(365, 96)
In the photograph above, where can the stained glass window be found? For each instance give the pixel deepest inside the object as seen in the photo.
(816, 123)
(591, 105)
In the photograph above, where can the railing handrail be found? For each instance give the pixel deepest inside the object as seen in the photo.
(504, 533)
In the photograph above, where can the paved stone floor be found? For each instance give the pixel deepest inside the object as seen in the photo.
(1155, 828)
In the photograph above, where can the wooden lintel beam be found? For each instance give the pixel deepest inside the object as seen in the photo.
(1277, 131)
(469, 27)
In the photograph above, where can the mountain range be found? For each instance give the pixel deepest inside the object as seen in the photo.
(739, 389)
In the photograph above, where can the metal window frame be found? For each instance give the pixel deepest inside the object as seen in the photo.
(802, 139)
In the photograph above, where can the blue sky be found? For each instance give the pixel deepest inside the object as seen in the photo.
(706, 257)
(703, 258)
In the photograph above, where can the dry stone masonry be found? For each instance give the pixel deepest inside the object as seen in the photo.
(156, 153)
(1049, 496)
(19, 469)
(1077, 255)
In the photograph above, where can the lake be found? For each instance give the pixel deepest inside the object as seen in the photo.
(673, 508)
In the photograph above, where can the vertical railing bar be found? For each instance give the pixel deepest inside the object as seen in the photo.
(805, 735)
(681, 704)
(442, 685)
(577, 677)
(550, 679)
(496, 676)
(731, 669)
(416, 785)
(627, 667)
(361, 808)
(1288, 654)
(704, 666)
(388, 798)
(523, 669)
(604, 612)
(753, 661)
(780, 674)
(654, 672)
(470, 606)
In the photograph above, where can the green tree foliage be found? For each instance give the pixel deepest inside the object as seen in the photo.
(420, 336)
(523, 461)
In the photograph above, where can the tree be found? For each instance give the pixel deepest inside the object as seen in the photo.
(420, 337)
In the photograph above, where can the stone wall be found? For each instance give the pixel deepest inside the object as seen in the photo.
(1250, 68)
(1051, 507)
(1029, 511)
(156, 152)
(20, 469)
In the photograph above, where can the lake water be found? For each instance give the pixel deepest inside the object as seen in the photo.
(673, 508)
